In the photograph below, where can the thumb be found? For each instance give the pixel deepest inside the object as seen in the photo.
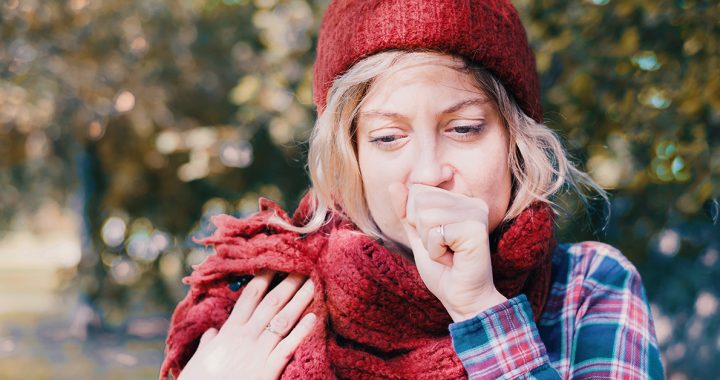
(398, 197)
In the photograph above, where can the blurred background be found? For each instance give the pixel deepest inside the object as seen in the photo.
(126, 124)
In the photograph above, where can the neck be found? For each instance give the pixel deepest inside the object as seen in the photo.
(399, 248)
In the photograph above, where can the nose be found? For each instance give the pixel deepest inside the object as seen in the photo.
(430, 166)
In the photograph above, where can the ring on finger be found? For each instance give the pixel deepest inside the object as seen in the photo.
(270, 329)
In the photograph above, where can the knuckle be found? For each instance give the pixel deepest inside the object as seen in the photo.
(272, 299)
(435, 233)
(251, 291)
(281, 322)
(239, 307)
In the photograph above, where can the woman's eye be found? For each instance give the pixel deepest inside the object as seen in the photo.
(466, 131)
(385, 140)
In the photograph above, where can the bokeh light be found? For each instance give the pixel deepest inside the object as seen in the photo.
(237, 154)
(146, 118)
(113, 231)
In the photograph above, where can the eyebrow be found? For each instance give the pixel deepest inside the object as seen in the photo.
(451, 109)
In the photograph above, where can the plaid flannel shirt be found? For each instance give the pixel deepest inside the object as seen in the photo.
(596, 324)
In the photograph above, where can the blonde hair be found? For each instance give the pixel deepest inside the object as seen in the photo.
(538, 162)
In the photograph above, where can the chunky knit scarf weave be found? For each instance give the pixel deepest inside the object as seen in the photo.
(380, 321)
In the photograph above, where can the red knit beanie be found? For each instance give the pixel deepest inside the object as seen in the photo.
(488, 32)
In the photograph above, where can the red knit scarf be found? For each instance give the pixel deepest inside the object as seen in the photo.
(380, 319)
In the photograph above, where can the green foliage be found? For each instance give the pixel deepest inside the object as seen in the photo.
(633, 88)
(159, 114)
(628, 84)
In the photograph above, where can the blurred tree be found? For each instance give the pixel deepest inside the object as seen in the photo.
(630, 86)
(165, 113)
(162, 113)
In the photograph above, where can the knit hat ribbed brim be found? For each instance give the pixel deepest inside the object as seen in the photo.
(488, 32)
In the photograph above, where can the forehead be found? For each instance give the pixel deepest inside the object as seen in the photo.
(421, 70)
(430, 81)
(423, 65)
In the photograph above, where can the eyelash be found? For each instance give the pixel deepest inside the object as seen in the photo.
(471, 131)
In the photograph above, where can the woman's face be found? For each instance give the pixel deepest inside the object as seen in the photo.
(429, 124)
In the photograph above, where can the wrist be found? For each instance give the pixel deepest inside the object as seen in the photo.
(484, 303)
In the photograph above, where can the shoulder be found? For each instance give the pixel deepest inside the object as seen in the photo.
(595, 264)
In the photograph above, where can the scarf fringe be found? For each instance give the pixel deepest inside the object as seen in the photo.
(380, 319)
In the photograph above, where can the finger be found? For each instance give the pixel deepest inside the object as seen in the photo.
(283, 322)
(273, 302)
(437, 248)
(429, 220)
(398, 198)
(416, 244)
(249, 298)
(411, 207)
(283, 352)
(207, 336)
(471, 244)
(438, 197)
(423, 197)
(430, 196)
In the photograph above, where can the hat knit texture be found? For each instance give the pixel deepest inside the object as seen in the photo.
(376, 318)
(487, 32)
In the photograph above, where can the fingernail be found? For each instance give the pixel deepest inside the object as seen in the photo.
(311, 317)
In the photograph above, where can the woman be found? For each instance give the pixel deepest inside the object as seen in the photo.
(428, 234)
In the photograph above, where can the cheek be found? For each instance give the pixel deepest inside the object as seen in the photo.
(489, 178)
(375, 181)
(378, 172)
(370, 170)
